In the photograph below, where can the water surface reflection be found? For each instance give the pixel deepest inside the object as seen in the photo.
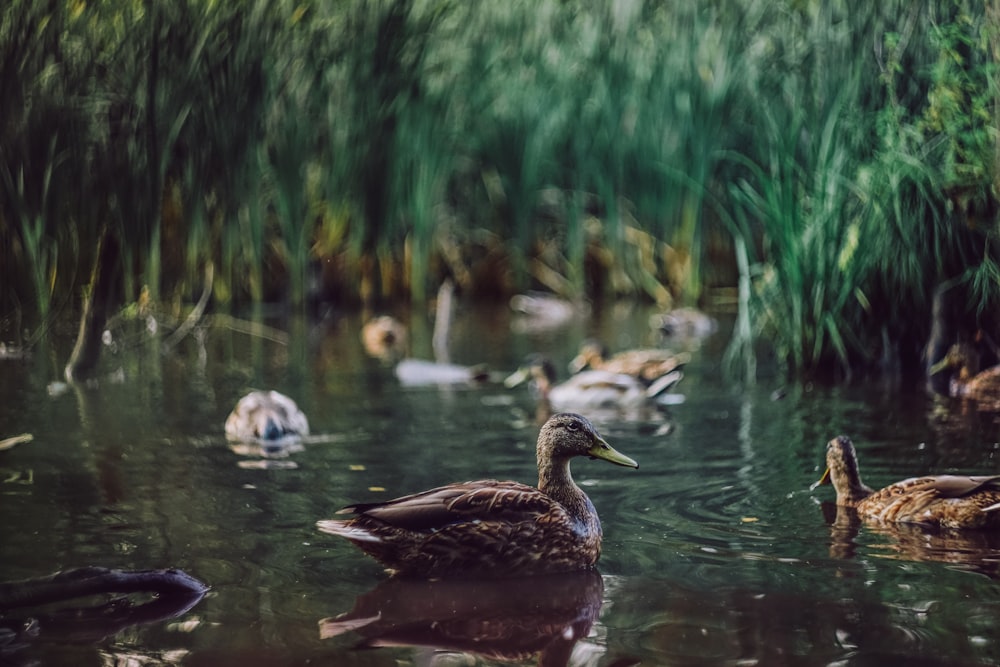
(715, 551)
(510, 620)
(972, 550)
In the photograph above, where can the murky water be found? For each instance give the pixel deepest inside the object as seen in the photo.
(715, 550)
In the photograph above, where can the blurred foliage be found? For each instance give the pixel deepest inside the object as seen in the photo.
(845, 152)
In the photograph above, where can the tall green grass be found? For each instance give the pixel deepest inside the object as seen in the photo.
(799, 188)
(849, 152)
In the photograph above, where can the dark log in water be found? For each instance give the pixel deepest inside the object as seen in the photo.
(85, 581)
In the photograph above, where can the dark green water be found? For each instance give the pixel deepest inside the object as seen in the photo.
(715, 550)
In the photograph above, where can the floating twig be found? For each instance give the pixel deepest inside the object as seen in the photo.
(7, 443)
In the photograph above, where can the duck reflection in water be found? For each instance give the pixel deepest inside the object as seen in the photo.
(974, 550)
(507, 620)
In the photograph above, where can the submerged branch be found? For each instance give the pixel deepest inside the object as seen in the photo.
(196, 314)
(102, 299)
(251, 328)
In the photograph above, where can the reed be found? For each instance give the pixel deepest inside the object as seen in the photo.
(588, 148)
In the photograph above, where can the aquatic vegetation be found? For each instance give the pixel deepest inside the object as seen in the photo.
(366, 150)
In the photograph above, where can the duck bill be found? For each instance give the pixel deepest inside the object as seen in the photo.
(578, 364)
(602, 450)
(517, 377)
(939, 366)
(825, 479)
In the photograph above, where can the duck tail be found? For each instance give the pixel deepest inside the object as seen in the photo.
(346, 530)
(664, 382)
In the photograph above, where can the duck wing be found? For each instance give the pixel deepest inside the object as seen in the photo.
(648, 364)
(953, 486)
(483, 500)
(597, 389)
(954, 501)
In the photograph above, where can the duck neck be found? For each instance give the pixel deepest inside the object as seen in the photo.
(850, 489)
(556, 481)
(543, 385)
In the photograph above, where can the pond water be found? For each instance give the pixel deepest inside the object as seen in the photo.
(715, 549)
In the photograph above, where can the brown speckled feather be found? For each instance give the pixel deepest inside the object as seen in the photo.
(962, 363)
(983, 387)
(950, 501)
(645, 364)
(456, 503)
(532, 542)
(946, 500)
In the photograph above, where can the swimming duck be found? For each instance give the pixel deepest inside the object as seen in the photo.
(646, 364)
(423, 372)
(588, 389)
(684, 323)
(266, 416)
(537, 311)
(491, 527)
(950, 501)
(384, 337)
(967, 381)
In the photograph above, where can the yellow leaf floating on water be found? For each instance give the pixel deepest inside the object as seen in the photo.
(749, 519)
(356, 467)
(376, 488)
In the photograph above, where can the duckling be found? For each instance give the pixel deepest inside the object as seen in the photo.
(266, 417)
(950, 501)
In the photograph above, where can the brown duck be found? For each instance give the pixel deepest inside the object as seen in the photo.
(967, 381)
(268, 417)
(949, 501)
(492, 527)
(384, 337)
(647, 365)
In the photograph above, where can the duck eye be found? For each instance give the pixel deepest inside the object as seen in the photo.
(572, 426)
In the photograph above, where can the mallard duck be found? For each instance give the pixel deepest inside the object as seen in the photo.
(491, 527)
(646, 364)
(537, 311)
(588, 389)
(684, 323)
(967, 381)
(268, 417)
(950, 501)
(384, 337)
